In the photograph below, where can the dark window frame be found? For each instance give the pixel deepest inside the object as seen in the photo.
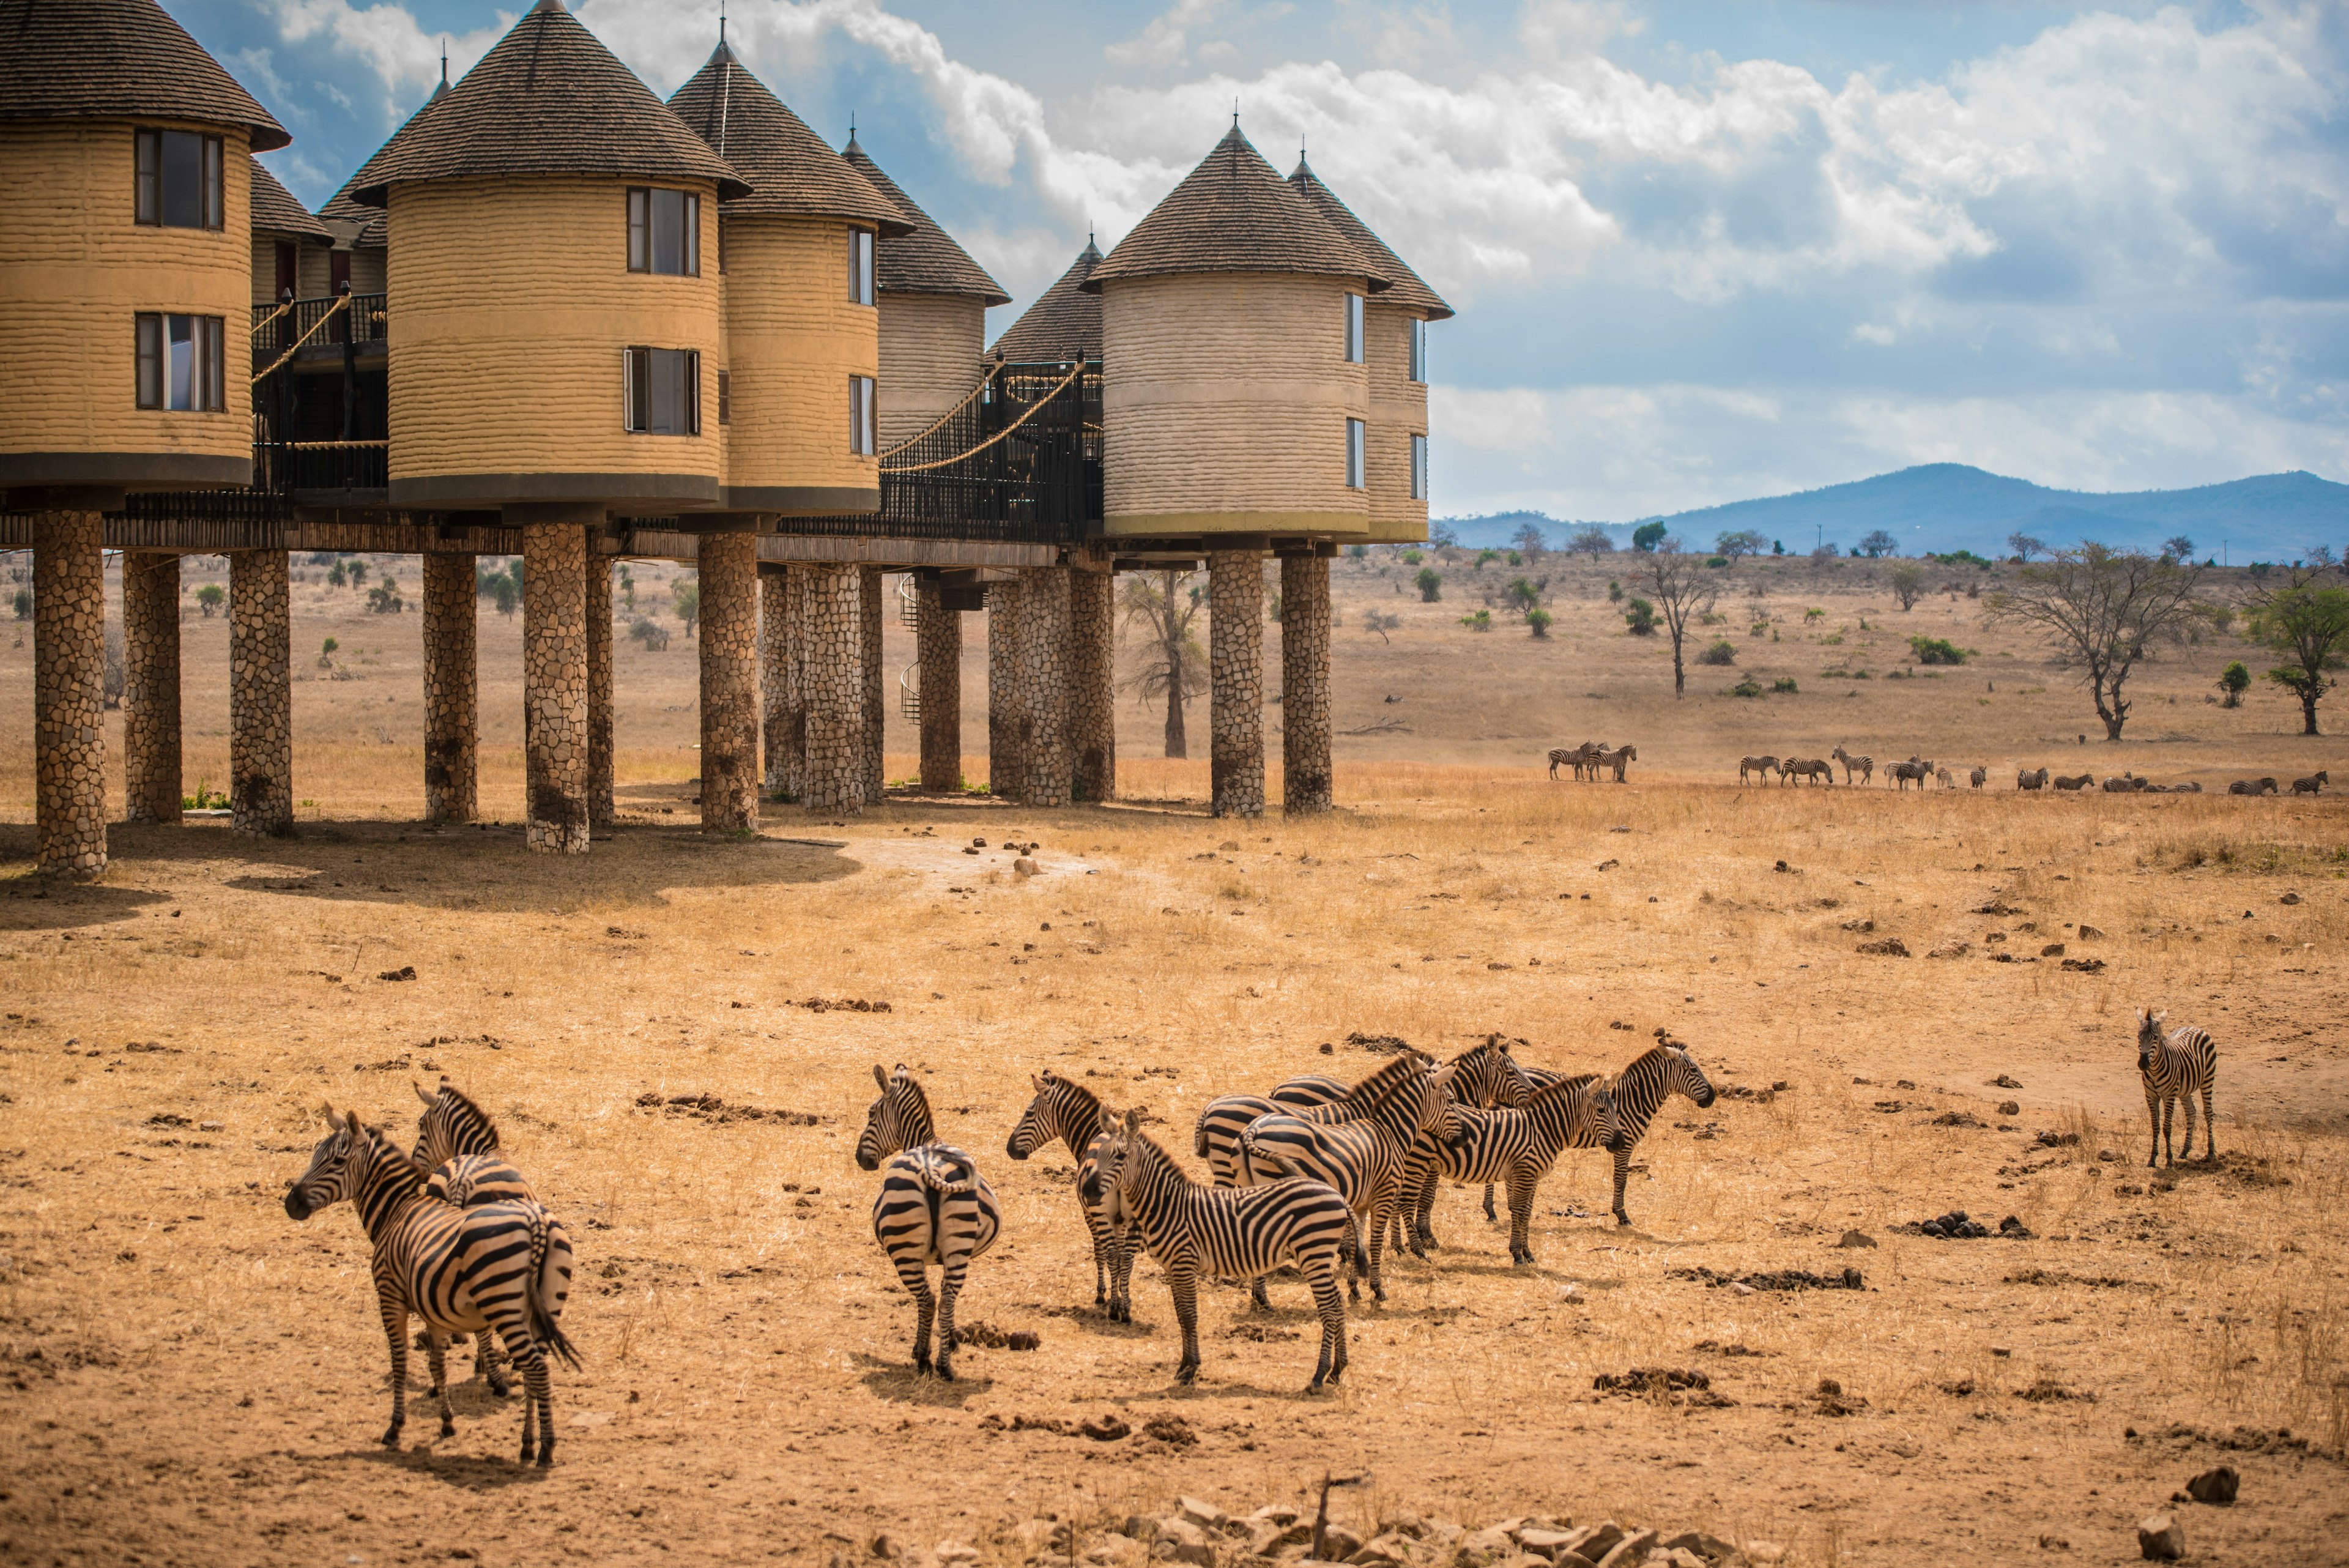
(725, 396)
(864, 416)
(1356, 453)
(864, 248)
(1418, 371)
(151, 193)
(1357, 329)
(1419, 465)
(150, 358)
(638, 393)
(644, 232)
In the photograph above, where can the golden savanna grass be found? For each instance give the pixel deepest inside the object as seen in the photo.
(190, 1376)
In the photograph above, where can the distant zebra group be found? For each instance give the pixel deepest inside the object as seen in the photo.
(1588, 759)
(1924, 772)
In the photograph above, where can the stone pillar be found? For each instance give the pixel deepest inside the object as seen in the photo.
(260, 692)
(833, 677)
(729, 683)
(1305, 685)
(555, 684)
(1005, 699)
(1235, 681)
(602, 812)
(939, 636)
(785, 719)
(453, 703)
(1092, 683)
(150, 688)
(69, 694)
(876, 685)
(1044, 658)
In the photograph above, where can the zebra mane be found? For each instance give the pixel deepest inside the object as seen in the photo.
(1382, 1085)
(921, 1103)
(1563, 1088)
(388, 1164)
(1084, 1097)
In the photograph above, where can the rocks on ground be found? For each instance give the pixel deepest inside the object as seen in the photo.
(1201, 1533)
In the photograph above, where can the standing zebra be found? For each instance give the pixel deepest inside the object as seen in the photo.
(502, 1268)
(1749, 765)
(1073, 1113)
(934, 1207)
(1639, 1090)
(1217, 1135)
(457, 1149)
(1224, 1232)
(1519, 1145)
(2175, 1067)
(1864, 767)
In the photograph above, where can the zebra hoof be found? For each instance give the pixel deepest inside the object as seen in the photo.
(546, 1456)
(529, 1451)
(391, 1436)
(448, 1428)
(946, 1370)
(1186, 1374)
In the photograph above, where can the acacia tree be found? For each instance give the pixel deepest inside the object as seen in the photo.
(1682, 592)
(1592, 541)
(2102, 611)
(2024, 546)
(1529, 541)
(2307, 622)
(1738, 541)
(1162, 606)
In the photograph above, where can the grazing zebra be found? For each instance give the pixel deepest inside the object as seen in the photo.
(1518, 1143)
(934, 1208)
(1979, 777)
(1811, 768)
(1225, 1233)
(1864, 767)
(1943, 775)
(1748, 765)
(2252, 786)
(1576, 757)
(2175, 1066)
(2082, 781)
(2030, 778)
(1215, 1136)
(2312, 784)
(499, 1268)
(1073, 1113)
(1903, 775)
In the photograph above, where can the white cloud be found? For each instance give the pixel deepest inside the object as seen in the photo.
(1166, 38)
(388, 41)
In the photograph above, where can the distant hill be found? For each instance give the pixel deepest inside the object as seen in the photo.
(1947, 506)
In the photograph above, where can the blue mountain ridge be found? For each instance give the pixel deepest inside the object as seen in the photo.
(1945, 507)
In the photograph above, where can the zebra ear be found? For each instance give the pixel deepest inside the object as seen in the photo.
(880, 1074)
(419, 1091)
(1134, 1121)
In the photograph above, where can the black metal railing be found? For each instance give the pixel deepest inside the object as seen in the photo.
(361, 322)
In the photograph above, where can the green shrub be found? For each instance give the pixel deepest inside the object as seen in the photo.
(1614, 592)
(1413, 557)
(2234, 680)
(1723, 651)
(1484, 556)
(1717, 561)
(1749, 687)
(1481, 621)
(1936, 651)
(1784, 683)
(1430, 585)
(1538, 620)
(209, 599)
(1640, 619)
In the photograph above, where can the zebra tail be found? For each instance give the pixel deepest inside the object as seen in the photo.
(543, 1327)
(1252, 1156)
(1199, 1136)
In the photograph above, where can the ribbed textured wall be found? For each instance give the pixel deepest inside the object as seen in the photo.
(792, 340)
(931, 345)
(510, 302)
(312, 275)
(76, 266)
(1398, 410)
(1225, 403)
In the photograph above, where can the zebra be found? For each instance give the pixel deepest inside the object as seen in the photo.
(2252, 786)
(1903, 775)
(1979, 777)
(1215, 1137)
(2030, 778)
(1639, 1090)
(1364, 1157)
(1763, 765)
(1519, 1145)
(502, 1268)
(2080, 783)
(934, 1207)
(1617, 759)
(1943, 775)
(1075, 1114)
(1224, 1232)
(2174, 1067)
(1576, 757)
(1863, 766)
(2312, 784)
(455, 1133)
(1811, 768)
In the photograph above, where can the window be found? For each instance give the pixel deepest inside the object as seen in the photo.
(1418, 351)
(289, 276)
(665, 232)
(1419, 468)
(860, 416)
(663, 391)
(725, 398)
(1353, 329)
(180, 363)
(1353, 454)
(860, 266)
(179, 180)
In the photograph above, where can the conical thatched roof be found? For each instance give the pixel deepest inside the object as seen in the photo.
(275, 212)
(1405, 286)
(926, 260)
(343, 208)
(1235, 214)
(1064, 322)
(550, 99)
(794, 171)
(117, 59)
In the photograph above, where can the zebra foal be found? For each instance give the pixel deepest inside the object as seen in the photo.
(934, 1208)
(1519, 1145)
(1227, 1233)
(498, 1268)
(2176, 1066)
(1075, 1114)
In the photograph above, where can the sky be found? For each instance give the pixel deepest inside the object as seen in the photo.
(1700, 251)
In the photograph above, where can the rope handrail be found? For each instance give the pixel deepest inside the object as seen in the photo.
(255, 330)
(325, 445)
(1033, 409)
(969, 398)
(342, 303)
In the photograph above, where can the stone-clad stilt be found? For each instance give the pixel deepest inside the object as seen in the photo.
(69, 693)
(729, 683)
(1044, 658)
(785, 718)
(1305, 685)
(939, 637)
(555, 684)
(1236, 677)
(876, 690)
(150, 688)
(452, 711)
(832, 676)
(1092, 683)
(1006, 700)
(260, 692)
(602, 811)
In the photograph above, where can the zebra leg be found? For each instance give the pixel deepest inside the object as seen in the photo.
(1422, 1209)
(915, 1275)
(1182, 1278)
(435, 1359)
(1256, 1294)
(2186, 1112)
(2153, 1125)
(538, 1391)
(489, 1364)
(1521, 1217)
(2168, 1126)
(2209, 1129)
(951, 1274)
(395, 1328)
(1099, 1227)
(1357, 1261)
(1491, 1218)
(1622, 1175)
(1121, 1300)
(1331, 1364)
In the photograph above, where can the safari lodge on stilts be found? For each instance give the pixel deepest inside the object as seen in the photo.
(767, 361)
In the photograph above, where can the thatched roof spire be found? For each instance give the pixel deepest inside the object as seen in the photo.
(118, 59)
(1065, 322)
(925, 260)
(1407, 289)
(277, 212)
(794, 171)
(342, 208)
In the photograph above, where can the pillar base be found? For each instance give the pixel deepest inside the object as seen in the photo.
(1235, 673)
(260, 694)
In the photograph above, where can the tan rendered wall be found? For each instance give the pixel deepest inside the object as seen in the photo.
(1398, 410)
(510, 302)
(367, 268)
(75, 268)
(931, 345)
(792, 340)
(1225, 405)
(311, 273)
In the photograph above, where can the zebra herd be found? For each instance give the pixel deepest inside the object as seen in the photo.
(1923, 773)
(1588, 759)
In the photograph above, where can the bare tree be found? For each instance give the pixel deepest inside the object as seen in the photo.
(1591, 541)
(1529, 541)
(1163, 605)
(1382, 622)
(2102, 610)
(2024, 546)
(1683, 593)
(1907, 583)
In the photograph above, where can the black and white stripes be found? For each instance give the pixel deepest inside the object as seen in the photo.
(934, 1208)
(1519, 1145)
(2176, 1066)
(1073, 1113)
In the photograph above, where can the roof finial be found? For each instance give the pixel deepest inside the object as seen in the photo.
(444, 59)
(721, 21)
(1236, 112)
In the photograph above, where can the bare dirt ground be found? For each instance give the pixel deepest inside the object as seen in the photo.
(186, 1375)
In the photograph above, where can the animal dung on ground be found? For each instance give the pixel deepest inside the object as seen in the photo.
(1888, 947)
(2010, 1107)
(405, 971)
(1383, 1045)
(2216, 1487)
(1665, 1385)
(2004, 1081)
(1831, 1400)
(1856, 1239)
(1107, 1428)
(1959, 1119)
(1775, 1280)
(1170, 1429)
(840, 1004)
(712, 1108)
(2084, 966)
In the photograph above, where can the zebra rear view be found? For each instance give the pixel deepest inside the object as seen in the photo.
(934, 1207)
(2176, 1066)
(458, 1148)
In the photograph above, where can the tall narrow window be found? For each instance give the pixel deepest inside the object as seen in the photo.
(178, 183)
(1419, 468)
(860, 266)
(665, 232)
(725, 398)
(289, 277)
(1353, 454)
(662, 390)
(1353, 329)
(1418, 351)
(860, 416)
(180, 363)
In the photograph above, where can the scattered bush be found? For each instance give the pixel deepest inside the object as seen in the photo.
(209, 599)
(1484, 556)
(1640, 619)
(1430, 585)
(384, 598)
(684, 593)
(2234, 680)
(1749, 687)
(655, 638)
(1717, 561)
(1538, 620)
(206, 798)
(1614, 592)
(1481, 621)
(1648, 535)
(1784, 683)
(504, 594)
(1525, 594)
(1907, 585)
(23, 603)
(1413, 557)
(1936, 651)
(1357, 552)
(1723, 651)
(338, 576)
